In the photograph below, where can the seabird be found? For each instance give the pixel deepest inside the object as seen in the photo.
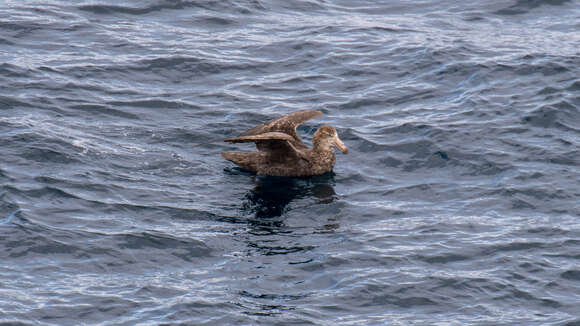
(282, 153)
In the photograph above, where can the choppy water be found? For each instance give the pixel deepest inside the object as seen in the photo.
(458, 204)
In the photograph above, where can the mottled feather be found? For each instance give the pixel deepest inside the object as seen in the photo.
(268, 136)
(286, 124)
(278, 142)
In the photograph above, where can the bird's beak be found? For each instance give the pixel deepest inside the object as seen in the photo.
(339, 144)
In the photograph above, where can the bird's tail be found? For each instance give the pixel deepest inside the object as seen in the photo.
(245, 160)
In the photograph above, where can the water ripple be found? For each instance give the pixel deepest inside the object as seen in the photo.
(458, 199)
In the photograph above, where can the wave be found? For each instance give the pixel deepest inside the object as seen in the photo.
(238, 7)
(525, 6)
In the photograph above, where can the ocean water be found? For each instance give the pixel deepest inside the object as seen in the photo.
(458, 203)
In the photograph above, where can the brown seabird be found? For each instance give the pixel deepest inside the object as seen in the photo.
(282, 153)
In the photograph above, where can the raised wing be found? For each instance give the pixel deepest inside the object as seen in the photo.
(274, 142)
(268, 136)
(285, 124)
(268, 142)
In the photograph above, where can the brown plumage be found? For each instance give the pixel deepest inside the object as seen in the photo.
(282, 153)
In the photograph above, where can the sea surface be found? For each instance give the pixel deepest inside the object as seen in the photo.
(458, 203)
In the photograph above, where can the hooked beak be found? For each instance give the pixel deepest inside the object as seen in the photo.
(339, 144)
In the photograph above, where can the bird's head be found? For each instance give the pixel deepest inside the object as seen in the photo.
(326, 137)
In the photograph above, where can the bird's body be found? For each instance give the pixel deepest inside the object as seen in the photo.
(282, 153)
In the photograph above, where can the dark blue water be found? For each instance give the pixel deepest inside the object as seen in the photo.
(458, 204)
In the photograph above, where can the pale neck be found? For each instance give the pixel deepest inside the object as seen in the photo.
(319, 147)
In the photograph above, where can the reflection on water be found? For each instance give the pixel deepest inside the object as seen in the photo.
(268, 201)
(271, 195)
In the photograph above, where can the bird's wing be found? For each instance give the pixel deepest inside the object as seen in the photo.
(285, 124)
(268, 136)
(275, 142)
